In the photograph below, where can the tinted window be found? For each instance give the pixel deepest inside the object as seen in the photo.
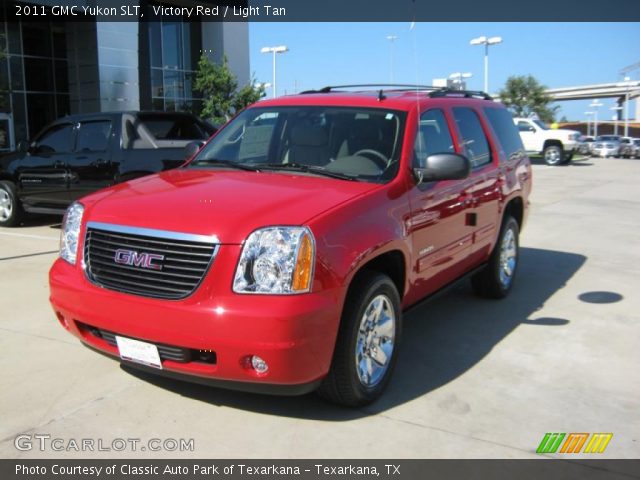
(524, 126)
(506, 132)
(474, 142)
(93, 136)
(433, 136)
(57, 139)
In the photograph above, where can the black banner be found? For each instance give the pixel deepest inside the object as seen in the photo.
(324, 11)
(544, 468)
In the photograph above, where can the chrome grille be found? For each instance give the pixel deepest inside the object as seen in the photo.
(146, 262)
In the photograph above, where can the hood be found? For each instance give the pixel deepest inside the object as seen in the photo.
(228, 204)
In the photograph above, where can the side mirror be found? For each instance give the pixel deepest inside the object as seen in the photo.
(191, 149)
(531, 129)
(23, 146)
(443, 166)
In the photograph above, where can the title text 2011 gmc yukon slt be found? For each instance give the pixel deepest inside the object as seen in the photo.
(281, 257)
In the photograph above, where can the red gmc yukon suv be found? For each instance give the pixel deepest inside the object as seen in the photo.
(280, 258)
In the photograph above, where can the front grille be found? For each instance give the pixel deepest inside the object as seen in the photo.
(166, 352)
(150, 263)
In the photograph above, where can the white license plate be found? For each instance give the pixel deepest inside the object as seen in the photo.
(139, 352)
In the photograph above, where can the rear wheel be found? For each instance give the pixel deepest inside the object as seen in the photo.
(496, 279)
(10, 207)
(553, 155)
(367, 343)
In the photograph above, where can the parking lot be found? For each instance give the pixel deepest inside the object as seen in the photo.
(475, 378)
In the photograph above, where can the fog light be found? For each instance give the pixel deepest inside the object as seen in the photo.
(258, 364)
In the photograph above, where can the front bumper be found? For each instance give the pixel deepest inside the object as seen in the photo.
(606, 152)
(294, 334)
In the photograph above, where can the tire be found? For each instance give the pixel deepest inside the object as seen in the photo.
(355, 378)
(496, 279)
(10, 208)
(553, 155)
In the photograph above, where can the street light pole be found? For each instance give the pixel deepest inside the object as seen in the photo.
(486, 42)
(588, 114)
(595, 105)
(274, 51)
(616, 119)
(626, 108)
(391, 38)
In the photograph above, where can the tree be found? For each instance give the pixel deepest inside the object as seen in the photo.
(219, 88)
(525, 96)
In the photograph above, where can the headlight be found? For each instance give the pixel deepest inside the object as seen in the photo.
(574, 136)
(277, 260)
(70, 232)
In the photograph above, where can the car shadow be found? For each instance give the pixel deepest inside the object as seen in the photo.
(442, 339)
(574, 163)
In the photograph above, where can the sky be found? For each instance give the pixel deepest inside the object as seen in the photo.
(556, 54)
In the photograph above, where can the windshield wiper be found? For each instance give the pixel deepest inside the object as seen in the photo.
(225, 163)
(299, 167)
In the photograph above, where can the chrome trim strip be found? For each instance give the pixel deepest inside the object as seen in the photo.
(152, 232)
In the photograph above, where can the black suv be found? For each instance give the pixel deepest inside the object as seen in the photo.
(79, 154)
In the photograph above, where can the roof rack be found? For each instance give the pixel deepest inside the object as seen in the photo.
(433, 92)
(449, 92)
(395, 87)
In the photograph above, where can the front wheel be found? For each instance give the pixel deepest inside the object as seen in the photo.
(10, 207)
(553, 155)
(367, 343)
(496, 279)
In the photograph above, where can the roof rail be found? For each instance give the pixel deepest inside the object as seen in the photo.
(449, 92)
(394, 86)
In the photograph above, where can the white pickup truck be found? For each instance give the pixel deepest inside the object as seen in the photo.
(557, 145)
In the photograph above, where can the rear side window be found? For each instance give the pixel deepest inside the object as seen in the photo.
(474, 142)
(433, 137)
(57, 139)
(174, 127)
(502, 124)
(93, 136)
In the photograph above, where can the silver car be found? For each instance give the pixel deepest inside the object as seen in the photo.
(630, 147)
(606, 146)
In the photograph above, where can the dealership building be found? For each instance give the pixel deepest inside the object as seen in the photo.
(51, 68)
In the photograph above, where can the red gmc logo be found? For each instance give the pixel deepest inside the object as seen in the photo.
(138, 259)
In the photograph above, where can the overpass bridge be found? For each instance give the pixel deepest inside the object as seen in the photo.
(617, 90)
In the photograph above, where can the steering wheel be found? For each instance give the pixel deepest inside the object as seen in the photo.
(379, 159)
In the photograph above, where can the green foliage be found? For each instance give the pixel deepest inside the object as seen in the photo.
(219, 88)
(524, 96)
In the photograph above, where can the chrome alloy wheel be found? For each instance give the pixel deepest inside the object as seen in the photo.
(374, 345)
(552, 155)
(508, 257)
(6, 205)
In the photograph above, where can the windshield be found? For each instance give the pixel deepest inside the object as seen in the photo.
(608, 138)
(342, 142)
(541, 124)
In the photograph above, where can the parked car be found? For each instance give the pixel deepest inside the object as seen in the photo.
(80, 154)
(556, 145)
(586, 144)
(281, 257)
(629, 147)
(606, 146)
